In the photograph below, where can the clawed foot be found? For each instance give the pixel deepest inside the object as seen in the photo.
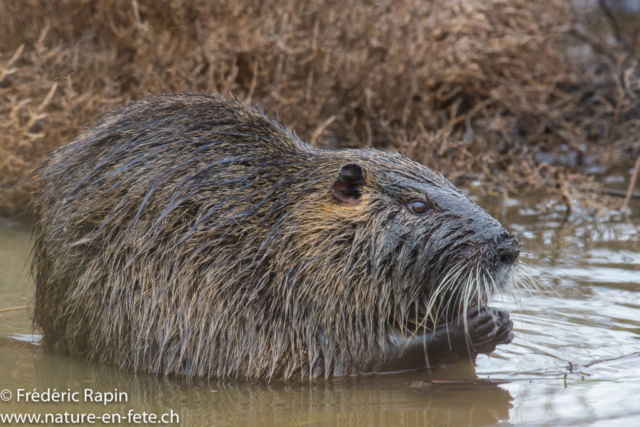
(461, 339)
(487, 329)
(482, 331)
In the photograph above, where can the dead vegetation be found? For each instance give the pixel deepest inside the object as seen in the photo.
(468, 87)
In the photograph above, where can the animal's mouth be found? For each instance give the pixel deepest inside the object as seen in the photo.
(474, 287)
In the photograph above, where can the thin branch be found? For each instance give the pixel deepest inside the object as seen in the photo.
(4, 310)
(632, 184)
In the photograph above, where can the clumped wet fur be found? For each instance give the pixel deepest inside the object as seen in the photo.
(193, 235)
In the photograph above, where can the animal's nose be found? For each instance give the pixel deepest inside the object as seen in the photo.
(507, 248)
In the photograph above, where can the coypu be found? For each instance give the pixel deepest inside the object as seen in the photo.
(191, 234)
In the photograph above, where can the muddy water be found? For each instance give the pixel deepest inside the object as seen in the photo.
(575, 359)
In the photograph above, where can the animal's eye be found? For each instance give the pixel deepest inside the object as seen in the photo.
(418, 207)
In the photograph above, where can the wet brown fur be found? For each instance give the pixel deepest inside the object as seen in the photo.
(193, 235)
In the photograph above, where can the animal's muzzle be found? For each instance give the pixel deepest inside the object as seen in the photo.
(506, 248)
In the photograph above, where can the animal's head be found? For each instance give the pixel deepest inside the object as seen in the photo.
(411, 248)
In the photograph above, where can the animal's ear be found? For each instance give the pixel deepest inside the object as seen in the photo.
(348, 185)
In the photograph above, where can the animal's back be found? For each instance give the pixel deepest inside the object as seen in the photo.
(140, 259)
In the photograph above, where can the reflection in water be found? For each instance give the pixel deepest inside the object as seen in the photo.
(575, 358)
(400, 400)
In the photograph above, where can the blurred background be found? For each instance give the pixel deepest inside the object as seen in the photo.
(531, 107)
(517, 95)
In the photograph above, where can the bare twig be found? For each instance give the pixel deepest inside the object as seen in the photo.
(632, 184)
(618, 193)
(4, 310)
(598, 47)
(617, 31)
(320, 129)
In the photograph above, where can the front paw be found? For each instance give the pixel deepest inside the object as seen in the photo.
(488, 328)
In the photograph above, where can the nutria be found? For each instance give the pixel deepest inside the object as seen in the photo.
(193, 235)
